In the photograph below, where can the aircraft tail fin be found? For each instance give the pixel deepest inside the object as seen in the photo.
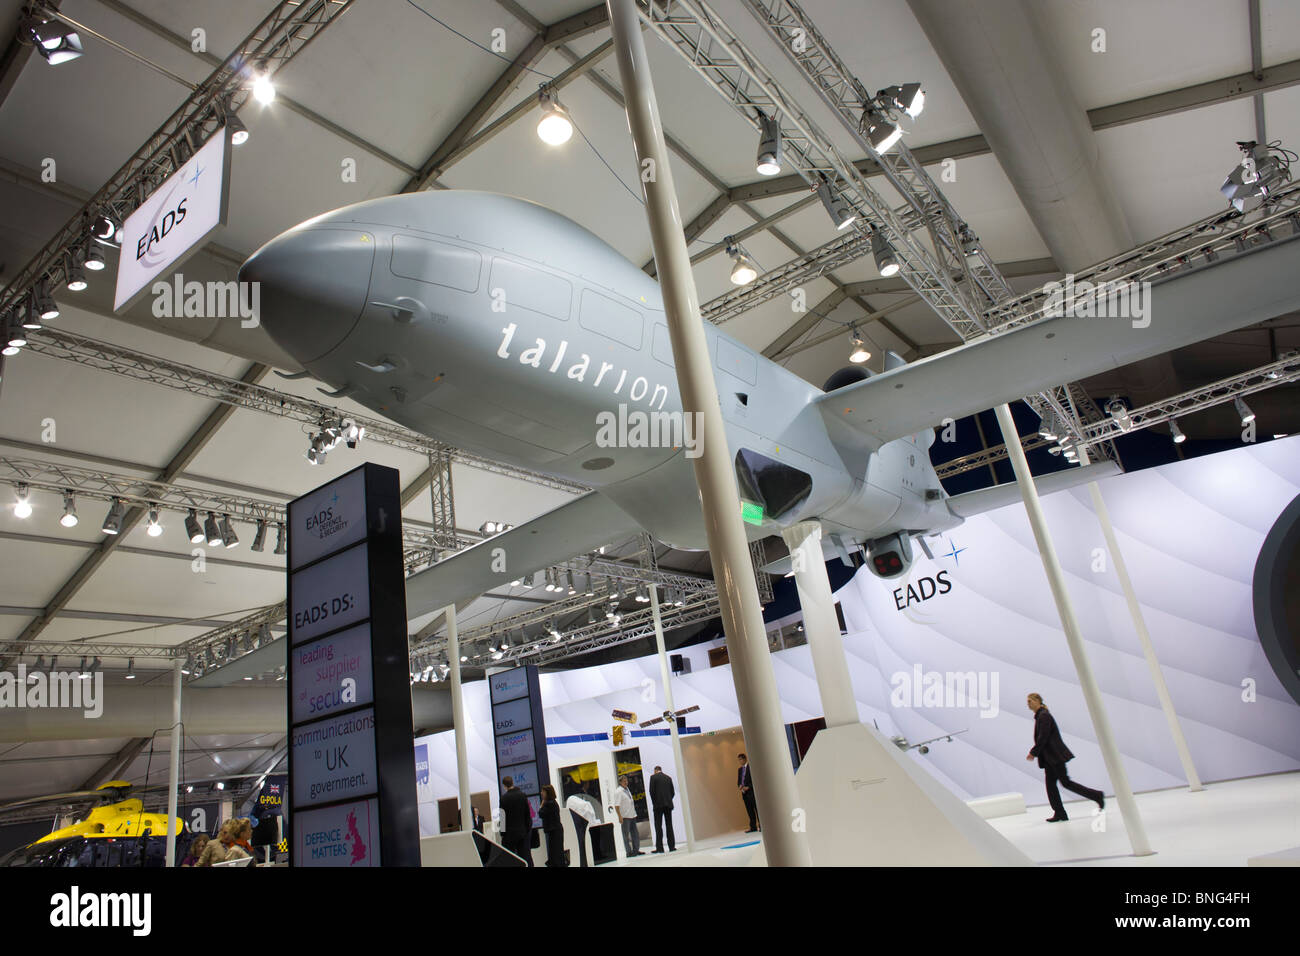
(575, 527)
(987, 499)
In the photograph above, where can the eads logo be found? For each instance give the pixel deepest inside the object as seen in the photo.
(168, 216)
(324, 522)
(927, 587)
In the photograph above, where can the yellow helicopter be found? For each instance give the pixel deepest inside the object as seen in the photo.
(109, 829)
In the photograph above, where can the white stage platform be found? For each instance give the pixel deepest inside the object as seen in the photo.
(1223, 825)
(1226, 824)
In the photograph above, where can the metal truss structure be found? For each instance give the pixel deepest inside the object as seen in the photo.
(228, 643)
(926, 204)
(1285, 371)
(580, 639)
(1220, 235)
(225, 644)
(281, 36)
(231, 641)
(758, 558)
(442, 501)
(16, 650)
(421, 546)
(610, 575)
(984, 457)
(960, 288)
(57, 477)
(589, 581)
(785, 278)
(709, 46)
(142, 367)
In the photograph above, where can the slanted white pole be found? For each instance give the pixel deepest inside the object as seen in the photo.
(742, 616)
(458, 721)
(821, 627)
(174, 769)
(1137, 837)
(1144, 636)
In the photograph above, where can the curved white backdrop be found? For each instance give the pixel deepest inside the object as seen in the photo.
(1190, 533)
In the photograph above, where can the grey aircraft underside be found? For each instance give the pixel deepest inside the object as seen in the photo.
(499, 326)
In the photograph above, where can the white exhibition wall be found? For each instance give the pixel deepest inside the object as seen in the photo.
(1190, 532)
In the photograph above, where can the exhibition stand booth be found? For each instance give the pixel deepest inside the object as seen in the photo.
(952, 665)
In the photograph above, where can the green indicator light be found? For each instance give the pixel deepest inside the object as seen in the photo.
(751, 513)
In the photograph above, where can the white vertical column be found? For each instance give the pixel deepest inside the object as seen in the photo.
(1144, 636)
(458, 720)
(174, 768)
(821, 626)
(678, 763)
(742, 616)
(1137, 837)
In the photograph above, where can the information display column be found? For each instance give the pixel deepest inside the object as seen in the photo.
(520, 733)
(351, 791)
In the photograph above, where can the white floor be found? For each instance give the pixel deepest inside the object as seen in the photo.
(731, 849)
(1222, 825)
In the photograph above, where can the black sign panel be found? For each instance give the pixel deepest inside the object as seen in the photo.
(350, 791)
(520, 732)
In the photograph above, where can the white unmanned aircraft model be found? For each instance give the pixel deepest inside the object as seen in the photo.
(499, 326)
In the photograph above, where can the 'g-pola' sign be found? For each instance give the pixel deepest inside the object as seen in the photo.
(173, 222)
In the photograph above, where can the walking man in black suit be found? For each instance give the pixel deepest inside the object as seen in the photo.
(661, 799)
(746, 784)
(519, 821)
(1052, 754)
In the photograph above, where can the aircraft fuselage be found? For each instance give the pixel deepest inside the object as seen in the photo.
(501, 327)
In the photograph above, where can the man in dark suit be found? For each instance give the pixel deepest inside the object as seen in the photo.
(661, 799)
(519, 821)
(1052, 754)
(746, 784)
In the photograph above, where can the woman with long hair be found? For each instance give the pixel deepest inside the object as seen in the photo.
(217, 850)
(243, 835)
(551, 826)
(197, 846)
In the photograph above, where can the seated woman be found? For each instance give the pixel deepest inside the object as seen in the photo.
(231, 843)
(197, 846)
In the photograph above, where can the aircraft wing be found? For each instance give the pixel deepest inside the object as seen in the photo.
(986, 499)
(576, 527)
(1189, 307)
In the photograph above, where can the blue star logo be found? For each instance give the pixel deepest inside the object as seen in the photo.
(335, 499)
(954, 552)
(198, 171)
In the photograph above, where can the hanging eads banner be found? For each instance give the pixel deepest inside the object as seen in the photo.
(175, 221)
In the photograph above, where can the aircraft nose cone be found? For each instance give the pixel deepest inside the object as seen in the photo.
(313, 285)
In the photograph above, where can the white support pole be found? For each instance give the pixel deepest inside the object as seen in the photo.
(1137, 837)
(1144, 636)
(174, 768)
(821, 627)
(742, 616)
(458, 721)
(678, 763)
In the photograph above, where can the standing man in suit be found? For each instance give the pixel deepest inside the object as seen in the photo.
(519, 820)
(746, 784)
(661, 799)
(1052, 754)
